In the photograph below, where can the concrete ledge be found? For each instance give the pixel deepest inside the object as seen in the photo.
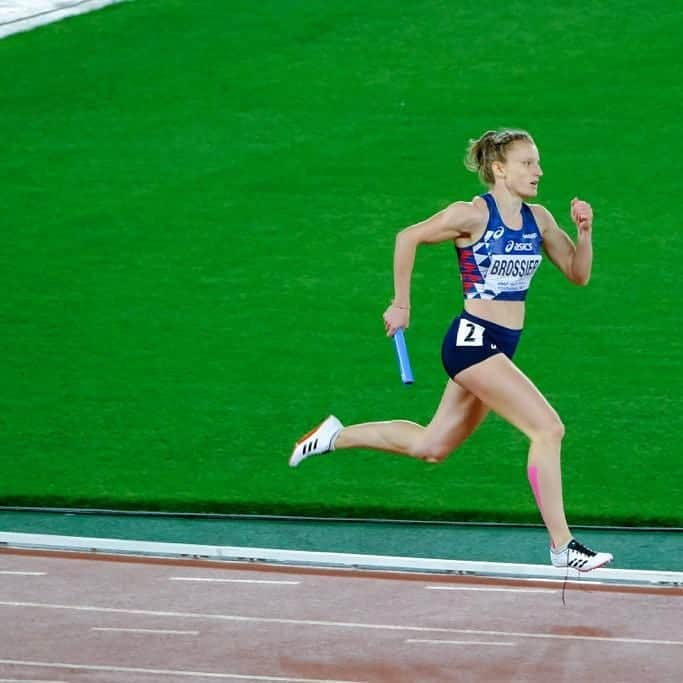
(631, 577)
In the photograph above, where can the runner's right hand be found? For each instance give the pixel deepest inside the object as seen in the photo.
(395, 318)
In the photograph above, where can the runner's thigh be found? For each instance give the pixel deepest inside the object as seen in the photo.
(506, 390)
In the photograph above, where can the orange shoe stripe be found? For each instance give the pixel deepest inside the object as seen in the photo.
(305, 436)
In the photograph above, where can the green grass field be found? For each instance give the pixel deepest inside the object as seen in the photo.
(199, 207)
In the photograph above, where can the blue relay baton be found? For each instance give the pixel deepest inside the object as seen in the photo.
(402, 355)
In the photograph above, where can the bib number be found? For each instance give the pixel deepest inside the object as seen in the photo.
(469, 334)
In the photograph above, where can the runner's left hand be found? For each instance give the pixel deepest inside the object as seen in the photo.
(582, 215)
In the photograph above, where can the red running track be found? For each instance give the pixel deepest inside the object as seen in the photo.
(74, 617)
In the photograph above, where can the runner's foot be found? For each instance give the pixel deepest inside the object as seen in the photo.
(578, 556)
(318, 441)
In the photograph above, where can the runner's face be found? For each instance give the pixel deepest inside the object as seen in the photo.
(522, 169)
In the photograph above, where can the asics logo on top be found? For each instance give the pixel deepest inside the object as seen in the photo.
(518, 246)
(530, 235)
(499, 233)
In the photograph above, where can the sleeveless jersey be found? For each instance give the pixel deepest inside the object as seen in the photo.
(501, 263)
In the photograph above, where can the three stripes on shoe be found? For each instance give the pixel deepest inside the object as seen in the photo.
(309, 447)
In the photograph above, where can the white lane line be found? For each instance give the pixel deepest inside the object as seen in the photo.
(23, 16)
(28, 680)
(462, 642)
(491, 589)
(145, 630)
(167, 672)
(211, 580)
(337, 624)
(9, 573)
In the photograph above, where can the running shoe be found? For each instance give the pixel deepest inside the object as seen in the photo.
(318, 441)
(577, 556)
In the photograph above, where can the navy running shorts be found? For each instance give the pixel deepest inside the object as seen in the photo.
(470, 340)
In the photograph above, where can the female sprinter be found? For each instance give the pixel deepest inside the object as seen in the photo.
(498, 239)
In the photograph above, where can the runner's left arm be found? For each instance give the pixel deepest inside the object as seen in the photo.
(573, 259)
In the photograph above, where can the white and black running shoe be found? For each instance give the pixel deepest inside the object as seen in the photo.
(318, 441)
(577, 556)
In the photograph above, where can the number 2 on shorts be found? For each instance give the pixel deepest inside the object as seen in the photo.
(469, 334)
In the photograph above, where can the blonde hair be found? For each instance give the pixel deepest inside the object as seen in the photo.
(492, 146)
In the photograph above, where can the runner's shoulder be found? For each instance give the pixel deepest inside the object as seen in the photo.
(468, 216)
(544, 218)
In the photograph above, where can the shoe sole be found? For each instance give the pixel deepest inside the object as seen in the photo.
(597, 566)
(583, 571)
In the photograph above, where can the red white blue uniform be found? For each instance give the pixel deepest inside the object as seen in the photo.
(500, 265)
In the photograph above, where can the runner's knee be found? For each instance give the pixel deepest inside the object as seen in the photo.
(551, 430)
(432, 453)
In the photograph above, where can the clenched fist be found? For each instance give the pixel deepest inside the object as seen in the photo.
(582, 214)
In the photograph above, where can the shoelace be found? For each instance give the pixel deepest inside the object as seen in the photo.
(581, 554)
(580, 549)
